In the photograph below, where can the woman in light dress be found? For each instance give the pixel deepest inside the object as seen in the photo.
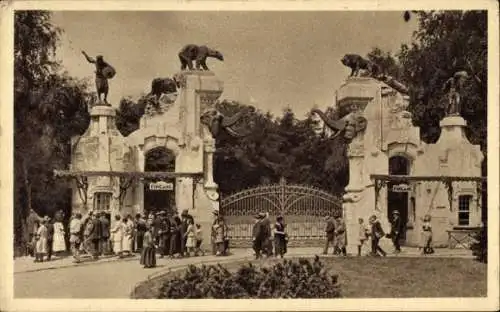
(117, 236)
(41, 241)
(128, 229)
(190, 236)
(59, 244)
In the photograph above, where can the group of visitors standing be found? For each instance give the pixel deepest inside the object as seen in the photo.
(265, 234)
(46, 236)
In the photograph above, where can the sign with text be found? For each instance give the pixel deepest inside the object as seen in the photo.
(401, 188)
(161, 186)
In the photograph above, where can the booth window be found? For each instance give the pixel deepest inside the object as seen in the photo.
(464, 209)
(102, 201)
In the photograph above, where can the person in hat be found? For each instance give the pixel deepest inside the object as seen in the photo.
(279, 237)
(340, 234)
(256, 242)
(330, 233)
(376, 233)
(117, 236)
(426, 245)
(395, 234)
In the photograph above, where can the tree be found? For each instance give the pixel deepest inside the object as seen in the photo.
(49, 108)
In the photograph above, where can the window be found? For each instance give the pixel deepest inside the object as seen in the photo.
(464, 209)
(102, 201)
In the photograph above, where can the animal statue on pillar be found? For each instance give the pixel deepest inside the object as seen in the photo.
(350, 125)
(193, 52)
(216, 122)
(356, 62)
(454, 86)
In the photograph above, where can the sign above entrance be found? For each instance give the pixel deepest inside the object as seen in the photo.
(161, 186)
(401, 188)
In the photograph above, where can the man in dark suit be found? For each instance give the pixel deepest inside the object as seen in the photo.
(259, 234)
(50, 237)
(94, 235)
(396, 227)
(164, 234)
(330, 233)
(376, 233)
(105, 233)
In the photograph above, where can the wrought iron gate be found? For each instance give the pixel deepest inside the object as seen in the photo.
(302, 207)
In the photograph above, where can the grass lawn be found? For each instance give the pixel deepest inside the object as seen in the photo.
(368, 277)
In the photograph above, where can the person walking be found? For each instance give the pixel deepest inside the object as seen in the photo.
(259, 235)
(426, 245)
(75, 228)
(396, 228)
(340, 234)
(376, 234)
(330, 234)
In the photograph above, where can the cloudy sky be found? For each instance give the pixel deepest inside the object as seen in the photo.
(279, 59)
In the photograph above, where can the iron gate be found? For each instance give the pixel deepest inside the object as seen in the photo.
(302, 207)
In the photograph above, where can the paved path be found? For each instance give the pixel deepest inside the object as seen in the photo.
(112, 278)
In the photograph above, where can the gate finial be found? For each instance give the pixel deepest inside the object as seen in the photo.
(282, 181)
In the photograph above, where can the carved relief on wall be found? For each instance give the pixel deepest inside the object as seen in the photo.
(208, 98)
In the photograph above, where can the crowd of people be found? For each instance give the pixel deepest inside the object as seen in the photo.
(179, 235)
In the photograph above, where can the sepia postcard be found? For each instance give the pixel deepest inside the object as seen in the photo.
(249, 156)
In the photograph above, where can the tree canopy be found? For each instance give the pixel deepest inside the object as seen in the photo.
(49, 108)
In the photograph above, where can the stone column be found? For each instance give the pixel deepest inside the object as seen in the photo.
(184, 194)
(359, 201)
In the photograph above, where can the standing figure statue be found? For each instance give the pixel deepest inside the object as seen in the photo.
(103, 72)
(193, 52)
(454, 87)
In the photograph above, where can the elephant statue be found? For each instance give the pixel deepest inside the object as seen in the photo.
(216, 121)
(350, 125)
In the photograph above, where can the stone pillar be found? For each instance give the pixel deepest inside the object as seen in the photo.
(359, 201)
(199, 91)
(205, 202)
(139, 187)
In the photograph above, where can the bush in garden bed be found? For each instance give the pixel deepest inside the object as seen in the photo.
(290, 279)
(480, 246)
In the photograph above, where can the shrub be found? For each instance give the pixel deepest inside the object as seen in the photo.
(480, 247)
(289, 279)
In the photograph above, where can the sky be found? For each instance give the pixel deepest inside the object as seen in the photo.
(272, 59)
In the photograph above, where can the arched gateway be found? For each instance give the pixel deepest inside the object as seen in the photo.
(303, 209)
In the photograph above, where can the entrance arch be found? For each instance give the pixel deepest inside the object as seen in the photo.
(159, 194)
(398, 195)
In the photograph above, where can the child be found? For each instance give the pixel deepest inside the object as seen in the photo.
(190, 236)
(148, 254)
(363, 234)
(427, 235)
(199, 240)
